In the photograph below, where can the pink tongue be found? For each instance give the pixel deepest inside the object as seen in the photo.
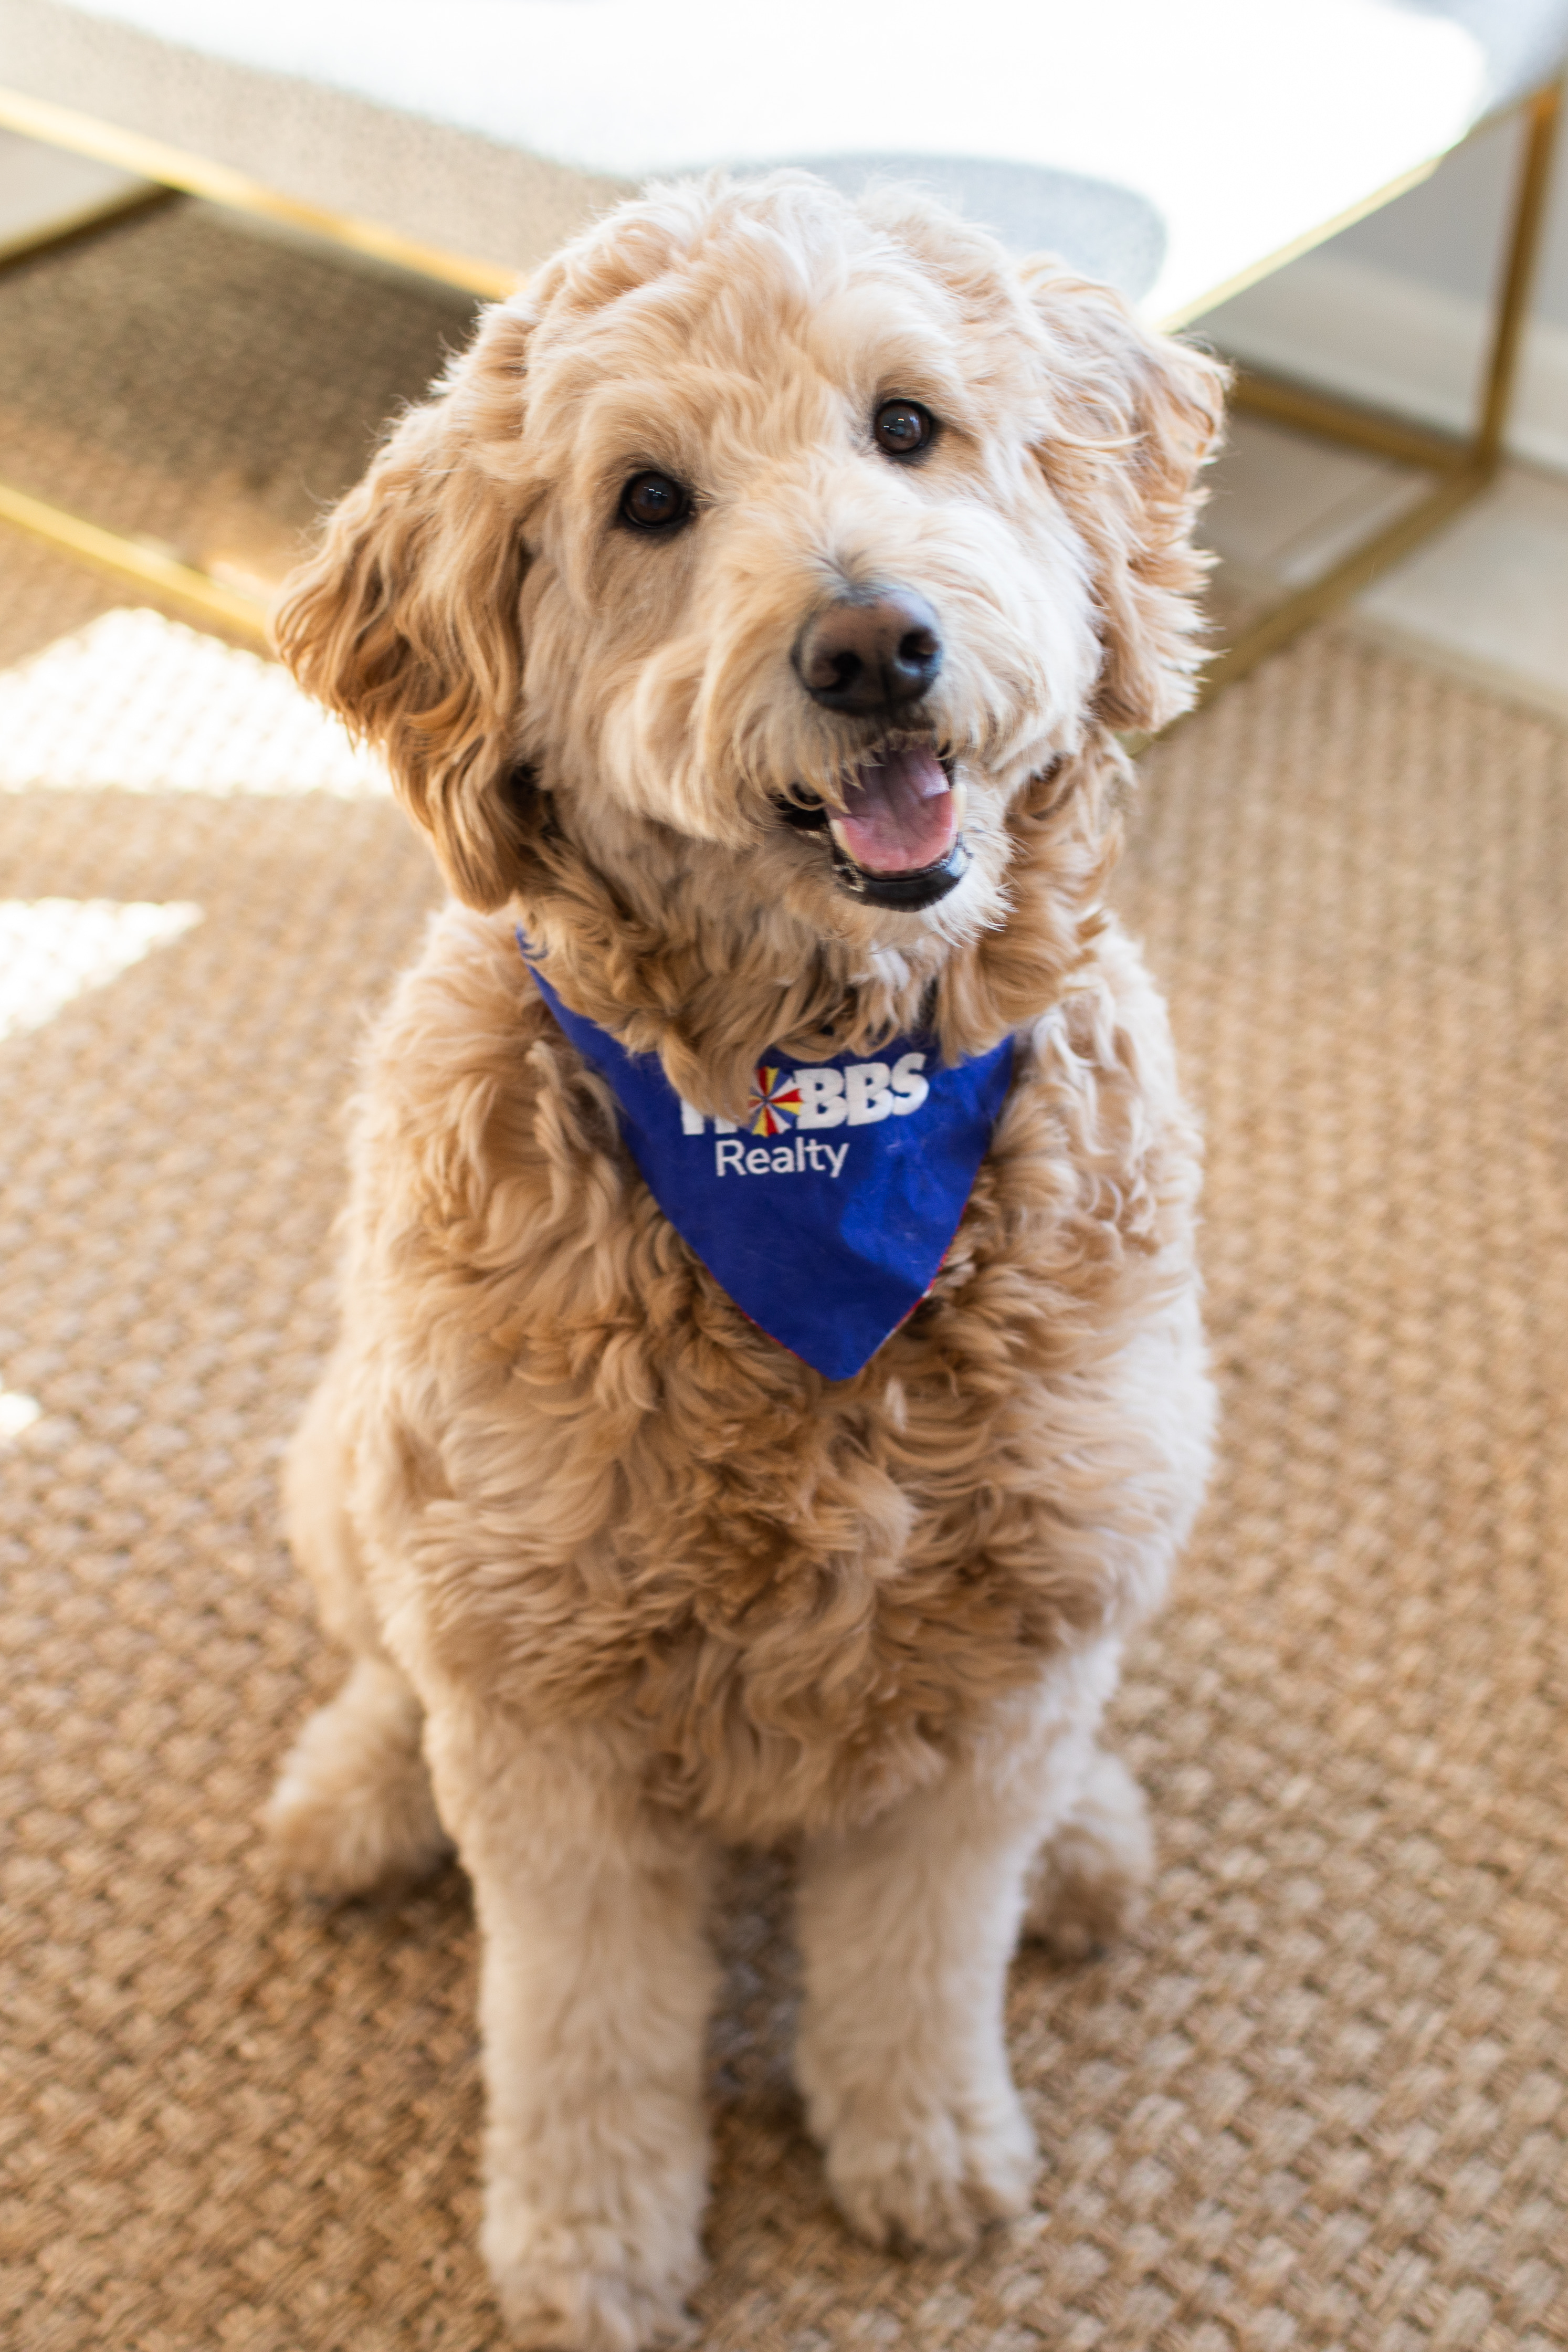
(898, 814)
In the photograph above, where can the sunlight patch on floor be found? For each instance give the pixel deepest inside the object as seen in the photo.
(137, 703)
(52, 950)
(17, 1412)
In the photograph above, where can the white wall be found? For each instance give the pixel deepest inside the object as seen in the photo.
(1395, 310)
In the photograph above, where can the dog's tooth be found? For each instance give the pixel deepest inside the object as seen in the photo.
(960, 791)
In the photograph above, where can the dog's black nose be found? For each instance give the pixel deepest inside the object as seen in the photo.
(875, 652)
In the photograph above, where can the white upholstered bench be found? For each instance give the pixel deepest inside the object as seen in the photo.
(1182, 149)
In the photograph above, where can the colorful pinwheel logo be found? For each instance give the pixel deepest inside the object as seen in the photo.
(771, 1100)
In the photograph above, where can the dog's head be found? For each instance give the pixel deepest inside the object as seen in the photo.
(769, 530)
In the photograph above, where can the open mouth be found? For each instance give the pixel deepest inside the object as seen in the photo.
(898, 840)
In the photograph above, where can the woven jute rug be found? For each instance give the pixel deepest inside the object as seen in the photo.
(1319, 2101)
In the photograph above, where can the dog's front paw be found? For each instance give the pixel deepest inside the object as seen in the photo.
(930, 2175)
(577, 2286)
(353, 1808)
(1090, 1878)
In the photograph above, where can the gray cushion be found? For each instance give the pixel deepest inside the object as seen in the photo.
(1100, 228)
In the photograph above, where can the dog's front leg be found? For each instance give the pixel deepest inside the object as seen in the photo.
(906, 1929)
(595, 1987)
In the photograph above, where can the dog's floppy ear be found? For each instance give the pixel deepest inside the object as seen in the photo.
(405, 619)
(1135, 414)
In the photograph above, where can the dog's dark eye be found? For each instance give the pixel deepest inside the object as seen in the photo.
(653, 502)
(902, 428)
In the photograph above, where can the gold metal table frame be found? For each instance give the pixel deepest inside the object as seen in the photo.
(170, 168)
(1464, 464)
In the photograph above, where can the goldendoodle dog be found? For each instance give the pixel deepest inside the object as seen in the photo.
(771, 1382)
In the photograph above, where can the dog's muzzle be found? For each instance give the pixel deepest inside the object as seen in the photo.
(897, 839)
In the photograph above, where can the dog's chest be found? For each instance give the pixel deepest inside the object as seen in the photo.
(788, 1594)
(790, 1616)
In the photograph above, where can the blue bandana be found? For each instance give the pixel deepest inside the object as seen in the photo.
(826, 1212)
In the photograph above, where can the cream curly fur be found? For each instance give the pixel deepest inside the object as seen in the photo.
(629, 1579)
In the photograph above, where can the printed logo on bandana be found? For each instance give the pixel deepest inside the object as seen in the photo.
(827, 1209)
(772, 1103)
(861, 1094)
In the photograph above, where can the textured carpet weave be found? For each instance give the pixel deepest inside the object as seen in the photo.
(1319, 2100)
(1319, 2103)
